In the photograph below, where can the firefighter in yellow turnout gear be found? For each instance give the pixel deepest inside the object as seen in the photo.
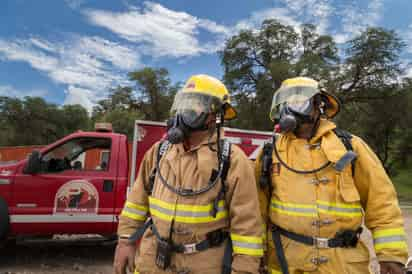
(198, 203)
(321, 185)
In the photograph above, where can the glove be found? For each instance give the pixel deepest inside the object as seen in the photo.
(124, 257)
(391, 268)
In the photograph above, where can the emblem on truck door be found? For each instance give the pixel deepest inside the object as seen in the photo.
(77, 196)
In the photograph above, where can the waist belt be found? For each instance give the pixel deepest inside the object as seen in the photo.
(345, 238)
(213, 239)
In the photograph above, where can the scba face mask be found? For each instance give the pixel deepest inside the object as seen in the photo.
(292, 106)
(189, 113)
(293, 115)
(179, 130)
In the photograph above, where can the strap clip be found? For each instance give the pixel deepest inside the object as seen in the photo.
(190, 248)
(321, 242)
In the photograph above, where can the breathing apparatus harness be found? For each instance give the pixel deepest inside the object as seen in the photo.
(166, 247)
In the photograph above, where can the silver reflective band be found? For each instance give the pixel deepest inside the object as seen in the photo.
(63, 218)
(184, 213)
(247, 245)
(134, 211)
(388, 239)
(26, 205)
(295, 209)
(340, 209)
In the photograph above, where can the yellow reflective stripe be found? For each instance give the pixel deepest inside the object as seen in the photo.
(185, 207)
(291, 213)
(246, 239)
(292, 209)
(276, 201)
(133, 216)
(136, 272)
(134, 211)
(185, 213)
(311, 210)
(338, 213)
(136, 206)
(189, 220)
(388, 232)
(247, 251)
(391, 238)
(391, 245)
(340, 205)
(248, 245)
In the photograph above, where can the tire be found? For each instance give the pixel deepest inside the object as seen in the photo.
(5, 220)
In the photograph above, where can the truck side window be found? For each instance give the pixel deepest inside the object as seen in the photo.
(80, 154)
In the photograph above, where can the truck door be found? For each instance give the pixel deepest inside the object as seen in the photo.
(72, 193)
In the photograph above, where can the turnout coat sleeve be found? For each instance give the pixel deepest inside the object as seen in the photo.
(136, 207)
(379, 200)
(245, 217)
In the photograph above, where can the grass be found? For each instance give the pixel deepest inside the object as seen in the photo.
(403, 185)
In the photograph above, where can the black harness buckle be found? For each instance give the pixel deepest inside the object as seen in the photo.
(349, 238)
(216, 238)
(163, 253)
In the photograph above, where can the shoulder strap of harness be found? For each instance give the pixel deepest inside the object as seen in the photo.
(163, 147)
(224, 163)
(350, 156)
(266, 168)
(345, 137)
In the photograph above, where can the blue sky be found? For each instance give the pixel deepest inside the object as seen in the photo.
(73, 51)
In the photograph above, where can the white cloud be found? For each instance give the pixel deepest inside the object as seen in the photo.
(10, 91)
(293, 13)
(283, 15)
(22, 50)
(85, 63)
(351, 17)
(158, 30)
(80, 96)
(354, 19)
(317, 12)
(407, 35)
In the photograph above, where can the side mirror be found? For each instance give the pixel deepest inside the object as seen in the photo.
(33, 164)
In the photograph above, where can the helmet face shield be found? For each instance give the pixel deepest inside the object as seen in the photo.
(194, 107)
(297, 98)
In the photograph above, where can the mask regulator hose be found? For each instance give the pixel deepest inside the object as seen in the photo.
(283, 163)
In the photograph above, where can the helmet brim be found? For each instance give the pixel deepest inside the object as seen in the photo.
(334, 105)
(230, 112)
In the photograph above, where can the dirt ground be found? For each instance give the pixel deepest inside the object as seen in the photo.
(43, 257)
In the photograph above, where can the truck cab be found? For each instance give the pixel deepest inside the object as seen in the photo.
(76, 185)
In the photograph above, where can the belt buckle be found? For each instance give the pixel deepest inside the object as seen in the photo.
(322, 242)
(189, 249)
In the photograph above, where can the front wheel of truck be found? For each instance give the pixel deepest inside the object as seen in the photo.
(4, 220)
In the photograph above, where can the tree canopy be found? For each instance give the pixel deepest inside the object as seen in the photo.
(366, 74)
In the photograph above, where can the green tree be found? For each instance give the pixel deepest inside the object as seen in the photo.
(154, 92)
(33, 121)
(365, 77)
(256, 62)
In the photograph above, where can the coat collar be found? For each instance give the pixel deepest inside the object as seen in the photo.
(330, 144)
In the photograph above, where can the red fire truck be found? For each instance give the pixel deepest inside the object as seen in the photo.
(58, 191)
